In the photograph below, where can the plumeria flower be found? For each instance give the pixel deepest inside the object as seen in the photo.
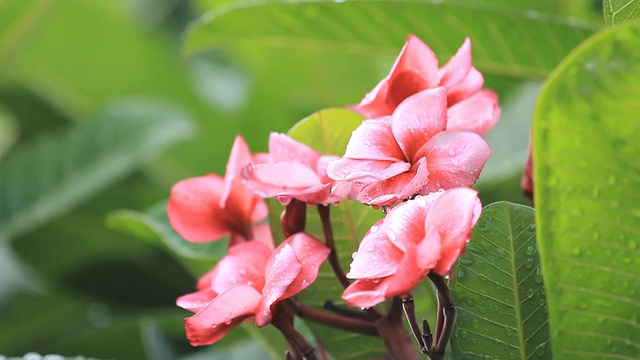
(425, 234)
(210, 207)
(294, 171)
(469, 106)
(248, 282)
(395, 157)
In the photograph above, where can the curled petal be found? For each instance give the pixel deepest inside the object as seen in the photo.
(452, 216)
(404, 224)
(415, 69)
(360, 170)
(455, 159)
(479, 113)
(221, 315)
(418, 119)
(397, 188)
(366, 293)
(195, 213)
(239, 157)
(376, 257)
(196, 301)
(465, 88)
(458, 66)
(416, 264)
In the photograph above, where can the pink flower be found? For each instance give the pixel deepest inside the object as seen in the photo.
(394, 157)
(248, 282)
(294, 171)
(209, 207)
(422, 235)
(416, 69)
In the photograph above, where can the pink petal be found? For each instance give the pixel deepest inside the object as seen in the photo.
(455, 159)
(397, 188)
(194, 209)
(415, 266)
(374, 103)
(366, 293)
(458, 66)
(221, 315)
(418, 119)
(284, 149)
(281, 274)
(478, 113)
(365, 171)
(238, 158)
(376, 257)
(373, 140)
(452, 216)
(196, 301)
(310, 252)
(404, 224)
(466, 88)
(245, 265)
(415, 69)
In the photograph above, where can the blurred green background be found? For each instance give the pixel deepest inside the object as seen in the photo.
(101, 110)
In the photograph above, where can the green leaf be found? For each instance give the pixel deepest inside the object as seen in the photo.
(506, 41)
(586, 131)
(498, 289)
(328, 131)
(8, 130)
(49, 175)
(153, 225)
(618, 12)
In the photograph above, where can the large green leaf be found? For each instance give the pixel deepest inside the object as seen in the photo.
(499, 291)
(506, 41)
(53, 173)
(586, 131)
(8, 130)
(618, 12)
(329, 131)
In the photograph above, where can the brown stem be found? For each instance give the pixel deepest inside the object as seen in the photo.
(446, 309)
(299, 348)
(323, 211)
(409, 308)
(337, 321)
(366, 316)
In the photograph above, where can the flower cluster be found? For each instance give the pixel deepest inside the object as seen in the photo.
(417, 154)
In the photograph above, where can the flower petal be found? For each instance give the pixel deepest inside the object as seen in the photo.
(465, 88)
(415, 69)
(221, 315)
(452, 216)
(415, 265)
(275, 179)
(478, 113)
(245, 264)
(194, 209)
(361, 170)
(373, 140)
(404, 224)
(310, 252)
(284, 149)
(196, 301)
(376, 257)
(458, 67)
(397, 188)
(418, 119)
(284, 269)
(366, 293)
(455, 159)
(239, 157)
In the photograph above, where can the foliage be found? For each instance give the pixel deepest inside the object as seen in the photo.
(96, 102)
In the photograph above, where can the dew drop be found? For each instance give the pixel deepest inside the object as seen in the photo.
(529, 250)
(528, 263)
(471, 302)
(482, 277)
(530, 293)
(374, 229)
(509, 331)
(482, 310)
(465, 261)
(464, 334)
(540, 349)
(475, 323)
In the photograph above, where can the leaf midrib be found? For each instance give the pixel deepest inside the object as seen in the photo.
(517, 305)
